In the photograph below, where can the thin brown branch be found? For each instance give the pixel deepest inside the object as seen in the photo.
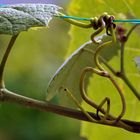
(10, 97)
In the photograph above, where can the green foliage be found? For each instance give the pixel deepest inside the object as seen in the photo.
(99, 87)
(21, 17)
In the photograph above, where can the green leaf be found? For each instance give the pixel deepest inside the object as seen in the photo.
(99, 87)
(137, 61)
(21, 17)
(68, 74)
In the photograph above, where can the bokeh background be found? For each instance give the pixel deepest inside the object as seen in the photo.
(34, 59)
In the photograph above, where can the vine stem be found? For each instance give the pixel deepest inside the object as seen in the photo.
(75, 22)
(122, 74)
(122, 59)
(125, 79)
(122, 70)
(4, 59)
(11, 97)
(102, 46)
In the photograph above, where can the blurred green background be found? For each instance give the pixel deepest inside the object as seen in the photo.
(34, 59)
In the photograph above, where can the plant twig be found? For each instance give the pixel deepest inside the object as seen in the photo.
(10, 97)
(122, 70)
(131, 30)
(123, 77)
(121, 95)
(4, 59)
(122, 74)
(129, 84)
(75, 22)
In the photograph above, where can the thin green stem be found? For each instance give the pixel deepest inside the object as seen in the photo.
(82, 88)
(75, 22)
(88, 100)
(103, 61)
(123, 77)
(107, 65)
(122, 59)
(122, 97)
(96, 56)
(128, 83)
(97, 33)
(4, 59)
(79, 106)
(102, 46)
(131, 30)
(122, 74)
(122, 70)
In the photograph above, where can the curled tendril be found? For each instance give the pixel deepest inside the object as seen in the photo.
(104, 21)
